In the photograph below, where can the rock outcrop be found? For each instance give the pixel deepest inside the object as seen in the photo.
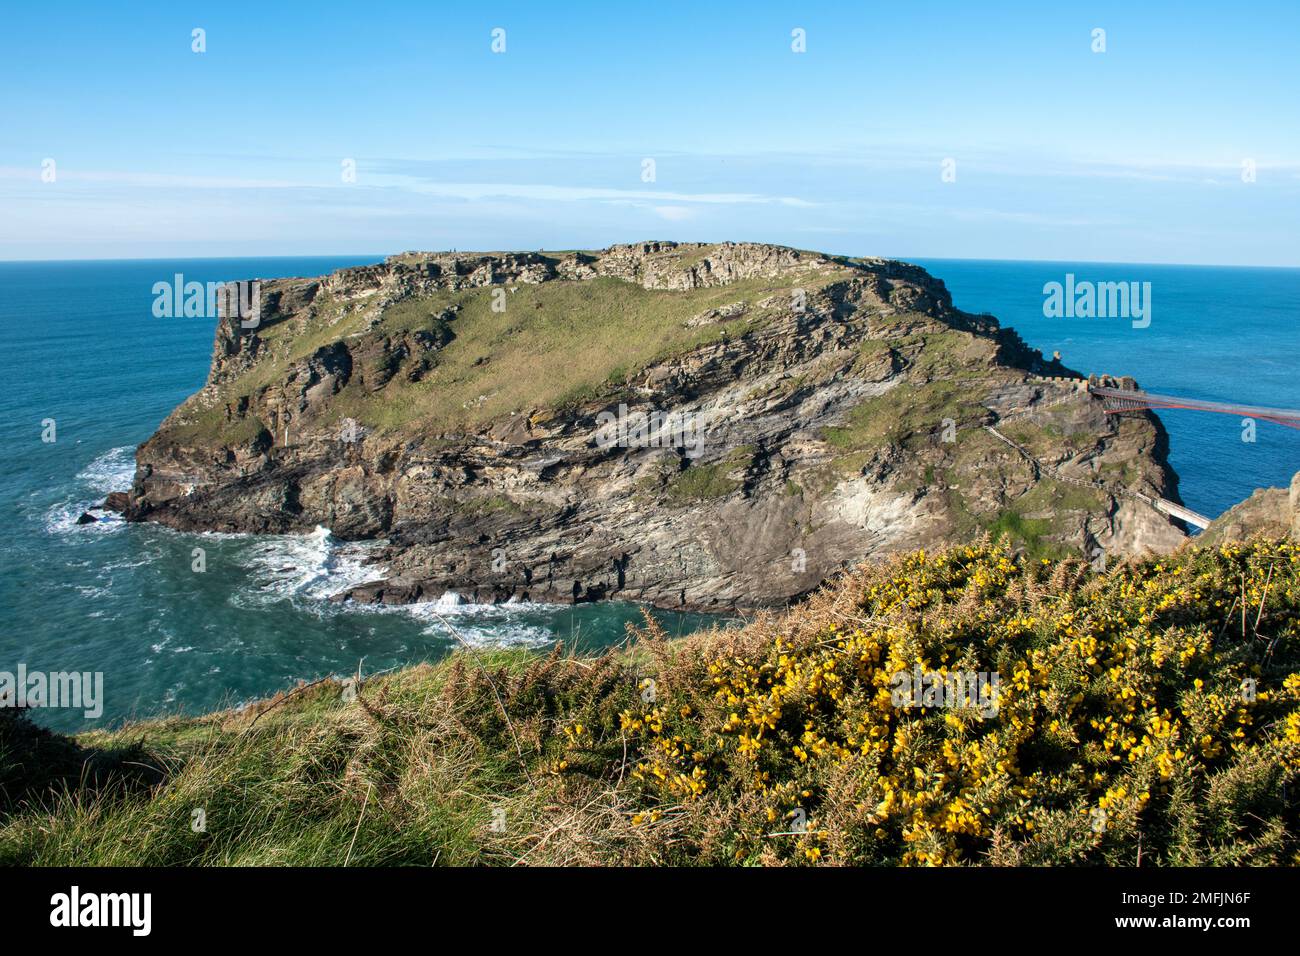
(1269, 512)
(702, 426)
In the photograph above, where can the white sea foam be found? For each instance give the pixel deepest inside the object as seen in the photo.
(311, 566)
(62, 518)
(139, 559)
(112, 471)
(306, 569)
(482, 625)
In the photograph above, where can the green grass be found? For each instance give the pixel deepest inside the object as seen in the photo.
(713, 480)
(1021, 530)
(206, 422)
(906, 411)
(482, 505)
(409, 773)
(555, 344)
(1057, 496)
(579, 767)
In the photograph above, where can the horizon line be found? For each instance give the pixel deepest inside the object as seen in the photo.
(386, 255)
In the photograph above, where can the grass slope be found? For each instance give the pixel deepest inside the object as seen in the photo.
(1127, 725)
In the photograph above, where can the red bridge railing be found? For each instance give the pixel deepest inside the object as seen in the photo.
(1116, 400)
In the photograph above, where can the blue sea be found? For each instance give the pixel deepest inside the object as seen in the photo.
(79, 344)
(1216, 332)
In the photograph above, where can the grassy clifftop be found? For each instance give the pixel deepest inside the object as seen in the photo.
(1152, 711)
(487, 335)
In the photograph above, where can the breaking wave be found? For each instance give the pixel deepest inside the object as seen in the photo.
(309, 566)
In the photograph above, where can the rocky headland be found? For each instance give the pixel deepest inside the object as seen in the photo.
(694, 426)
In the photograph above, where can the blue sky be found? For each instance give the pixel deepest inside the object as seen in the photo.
(1134, 154)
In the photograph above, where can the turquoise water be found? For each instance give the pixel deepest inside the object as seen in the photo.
(79, 344)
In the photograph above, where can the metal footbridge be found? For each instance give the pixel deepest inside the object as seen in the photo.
(1117, 400)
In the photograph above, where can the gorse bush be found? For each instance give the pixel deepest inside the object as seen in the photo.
(1152, 711)
(1149, 714)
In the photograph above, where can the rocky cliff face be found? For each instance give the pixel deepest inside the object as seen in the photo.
(1270, 512)
(703, 426)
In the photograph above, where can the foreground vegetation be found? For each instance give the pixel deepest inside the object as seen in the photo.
(1147, 715)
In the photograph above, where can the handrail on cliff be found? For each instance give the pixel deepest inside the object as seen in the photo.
(1163, 505)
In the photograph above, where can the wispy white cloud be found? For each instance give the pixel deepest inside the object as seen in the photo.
(554, 193)
(659, 200)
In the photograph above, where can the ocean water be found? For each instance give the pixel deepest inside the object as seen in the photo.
(79, 344)
(1217, 333)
